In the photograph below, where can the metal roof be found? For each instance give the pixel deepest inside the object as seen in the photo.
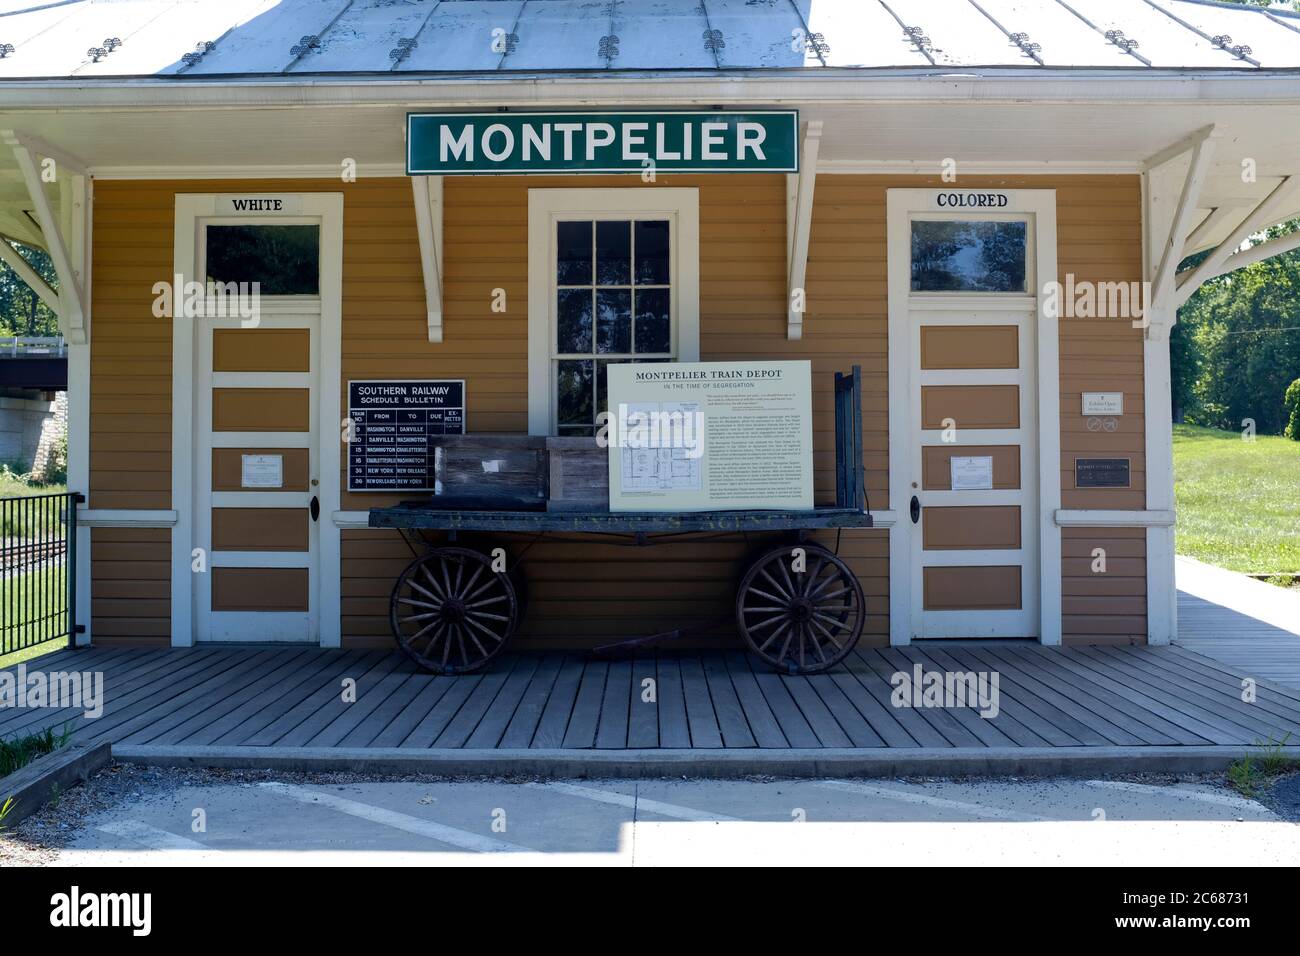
(193, 39)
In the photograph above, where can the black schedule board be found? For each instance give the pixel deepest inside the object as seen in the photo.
(1101, 472)
(394, 427)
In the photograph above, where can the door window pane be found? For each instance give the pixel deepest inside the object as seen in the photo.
(284, 260)
(968, 256)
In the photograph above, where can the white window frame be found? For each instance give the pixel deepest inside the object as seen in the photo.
(546, 207)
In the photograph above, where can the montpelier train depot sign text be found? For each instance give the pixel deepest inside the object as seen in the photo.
(706, 142)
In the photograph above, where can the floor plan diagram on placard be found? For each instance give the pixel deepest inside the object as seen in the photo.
(662, 447)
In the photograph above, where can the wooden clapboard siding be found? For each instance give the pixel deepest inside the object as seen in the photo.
(1107, 607)
(582, 593)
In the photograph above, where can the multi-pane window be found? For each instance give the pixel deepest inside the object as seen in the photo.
(979, 255)
(613, 303)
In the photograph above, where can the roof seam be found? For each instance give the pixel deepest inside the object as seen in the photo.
(326, 29)
(915, 40)
(807, 32)
(1125, 49)
(1200, 33)
(1024, 48)
(415, 37)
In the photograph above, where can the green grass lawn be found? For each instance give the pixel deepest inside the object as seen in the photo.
(41, 517)
(39, 594)
(1238, 501)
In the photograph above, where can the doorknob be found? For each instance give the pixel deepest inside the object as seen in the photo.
(315, 508)
(916, 509)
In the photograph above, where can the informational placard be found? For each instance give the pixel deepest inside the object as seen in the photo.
(394, 426)
(710, 436)
(1103, 403)
(972, 473)
(1101, 473)
(261, 471)
(714, 141)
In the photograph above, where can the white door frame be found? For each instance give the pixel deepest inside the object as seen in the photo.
(1041, 205)
(190, 208)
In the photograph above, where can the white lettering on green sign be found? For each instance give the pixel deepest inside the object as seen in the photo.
(468, 143)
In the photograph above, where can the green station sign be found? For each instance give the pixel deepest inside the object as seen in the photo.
(461, 144)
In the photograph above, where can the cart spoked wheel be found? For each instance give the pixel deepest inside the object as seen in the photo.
(451, 613)
(804, 616)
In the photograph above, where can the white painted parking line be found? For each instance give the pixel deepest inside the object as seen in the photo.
(151, 838)
(909, 796)
(1221, 799)
(671, 810)
(399, 821)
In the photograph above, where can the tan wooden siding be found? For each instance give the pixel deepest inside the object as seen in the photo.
(742, 308)
(1104, 607)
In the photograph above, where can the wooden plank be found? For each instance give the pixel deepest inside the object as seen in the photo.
(986, 730)
(916, 732)
(789, 717)
(172, 697)
(118, 673)
(1001, 730)
(1177, 708)
(615, 709)
(980, 728)
(1193, 665)
(643, 715)
(555, 716)
(523, 724)
(335, 706)
(939, 720)
(282, 665)
(366, 706)
(1099, 723)
(479, 703)
(881, 720)
(705, 733)
(1207, 661)
(251, 709)
(1187, 685)
(819, 717)
(1096, 687)
(258, 722)
(323, 695)
(730, 715)
(424, 733)
(762, 722)
(850, 719)
(404, 516)
(155, 688)
(490, 729)
(581, 732)
(674, 727)
(1034, 730)
(429, 689)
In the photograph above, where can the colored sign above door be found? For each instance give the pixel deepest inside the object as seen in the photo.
(460, 144)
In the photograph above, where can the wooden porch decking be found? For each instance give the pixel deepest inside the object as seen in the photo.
(1093, 696)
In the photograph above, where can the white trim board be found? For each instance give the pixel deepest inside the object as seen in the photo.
(126, 518)
(1101, 518)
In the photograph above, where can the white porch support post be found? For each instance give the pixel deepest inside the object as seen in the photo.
(428, 223)
(29, 275)
(72, 309)
(799, 228)
(1271, 210)
(1166, 224)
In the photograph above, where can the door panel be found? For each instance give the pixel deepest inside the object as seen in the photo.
(975, 552)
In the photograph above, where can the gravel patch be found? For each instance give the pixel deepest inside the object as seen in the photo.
(1283, 797)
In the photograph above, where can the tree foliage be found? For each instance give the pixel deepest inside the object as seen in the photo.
(21, 310)
(1236, 347)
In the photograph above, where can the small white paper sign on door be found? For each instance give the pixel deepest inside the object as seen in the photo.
(972, 474)
(261, 471)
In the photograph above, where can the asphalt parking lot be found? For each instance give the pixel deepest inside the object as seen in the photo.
(143, 816)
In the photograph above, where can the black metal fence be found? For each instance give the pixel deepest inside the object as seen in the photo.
(38, 551)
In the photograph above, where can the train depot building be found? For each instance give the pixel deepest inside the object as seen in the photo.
(304, 246)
